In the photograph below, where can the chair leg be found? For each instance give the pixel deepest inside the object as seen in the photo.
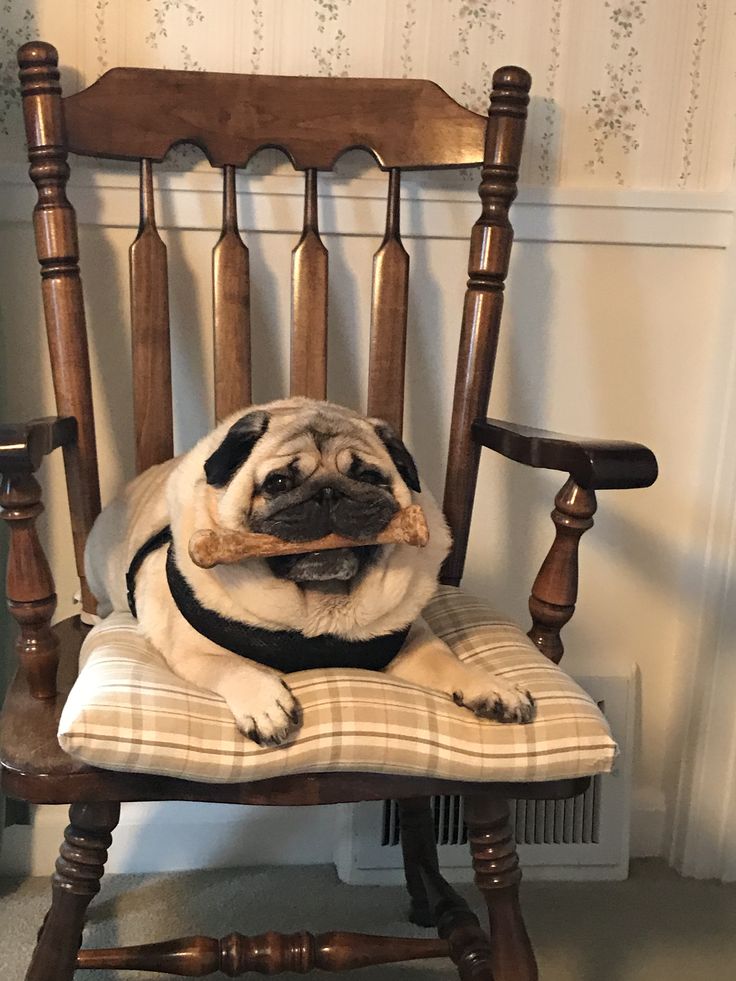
(497, 875)
(433, 900)
(419, 848)
(79, 869)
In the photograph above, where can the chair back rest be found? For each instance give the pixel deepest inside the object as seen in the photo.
(140, 114)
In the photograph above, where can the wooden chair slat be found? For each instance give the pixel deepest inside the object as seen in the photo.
(231, 308)
(142, 112)
(309, 303)
(388, 317)
(149, 314)
(490, 251)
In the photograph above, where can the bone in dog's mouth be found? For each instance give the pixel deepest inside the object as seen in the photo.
(338, 507)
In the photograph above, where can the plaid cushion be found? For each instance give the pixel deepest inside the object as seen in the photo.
(127, 711)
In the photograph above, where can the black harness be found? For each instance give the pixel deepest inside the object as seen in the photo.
(282, 650)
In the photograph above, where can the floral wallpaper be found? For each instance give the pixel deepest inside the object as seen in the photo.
(616, 108)
(627, 93)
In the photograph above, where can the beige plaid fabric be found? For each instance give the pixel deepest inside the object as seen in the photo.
(127, 711)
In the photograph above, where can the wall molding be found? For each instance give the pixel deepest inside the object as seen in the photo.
(353, 205)
(175, 836)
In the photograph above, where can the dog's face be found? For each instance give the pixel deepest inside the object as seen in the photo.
(300, 470)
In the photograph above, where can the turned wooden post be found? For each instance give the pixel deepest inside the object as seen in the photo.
(433, 900)
(31, 596)
(30, 586)
(490, 252)
(55, 226)
(419, 848)
(555, 590)
(497, 875)
(79, 868)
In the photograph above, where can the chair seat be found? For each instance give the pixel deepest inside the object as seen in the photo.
(127, 711)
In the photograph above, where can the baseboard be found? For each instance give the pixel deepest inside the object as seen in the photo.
(178, 837)
(181, 836)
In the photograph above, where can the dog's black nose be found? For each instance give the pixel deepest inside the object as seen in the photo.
(327, 495)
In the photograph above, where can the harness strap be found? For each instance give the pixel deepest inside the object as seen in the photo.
(162, 537)
(283, 650)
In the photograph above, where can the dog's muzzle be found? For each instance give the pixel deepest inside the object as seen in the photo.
(356, 512)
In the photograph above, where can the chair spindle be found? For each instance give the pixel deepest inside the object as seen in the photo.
(388, 316)
(231, 308)
(555, 590)
(149, 314)
(488, 264)
(309, 303)
(55, 227)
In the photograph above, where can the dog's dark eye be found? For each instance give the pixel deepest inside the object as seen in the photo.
(369, 476)
(277, 483)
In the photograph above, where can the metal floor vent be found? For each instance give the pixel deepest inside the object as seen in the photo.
(535, 822)
(583, 838)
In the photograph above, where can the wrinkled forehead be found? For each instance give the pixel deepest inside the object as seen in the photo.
(324, 437)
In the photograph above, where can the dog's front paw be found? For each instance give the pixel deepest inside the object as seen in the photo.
(264, 708)
(493, 698)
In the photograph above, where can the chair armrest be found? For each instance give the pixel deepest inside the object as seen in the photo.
(23, 445)
(593, 464)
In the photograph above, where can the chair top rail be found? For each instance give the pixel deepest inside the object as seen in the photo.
(131, 113)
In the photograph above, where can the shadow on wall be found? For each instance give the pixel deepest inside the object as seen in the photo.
(525, 345)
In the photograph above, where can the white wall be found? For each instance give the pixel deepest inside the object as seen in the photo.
(616, 325)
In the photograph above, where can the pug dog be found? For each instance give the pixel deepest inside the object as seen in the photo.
(297, 469)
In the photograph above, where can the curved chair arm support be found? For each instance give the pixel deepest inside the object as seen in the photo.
(30, 585)
(24, 445)
(592, 463)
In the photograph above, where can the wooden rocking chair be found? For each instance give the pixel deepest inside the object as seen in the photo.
(406, 124)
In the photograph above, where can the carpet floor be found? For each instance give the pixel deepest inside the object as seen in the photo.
(654, 927)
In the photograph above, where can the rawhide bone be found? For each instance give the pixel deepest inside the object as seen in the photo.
(209, 547)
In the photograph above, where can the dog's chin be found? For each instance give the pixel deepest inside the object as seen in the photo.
(328, 571)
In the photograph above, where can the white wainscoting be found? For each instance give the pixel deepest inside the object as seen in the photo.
(615, 320)
(274, 203)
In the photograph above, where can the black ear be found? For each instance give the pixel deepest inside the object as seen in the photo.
(402, 458)
(235, 449)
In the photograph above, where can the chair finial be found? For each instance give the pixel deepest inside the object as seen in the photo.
(37, 53)
(39, 68)
(510, 93)
(511, 76)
